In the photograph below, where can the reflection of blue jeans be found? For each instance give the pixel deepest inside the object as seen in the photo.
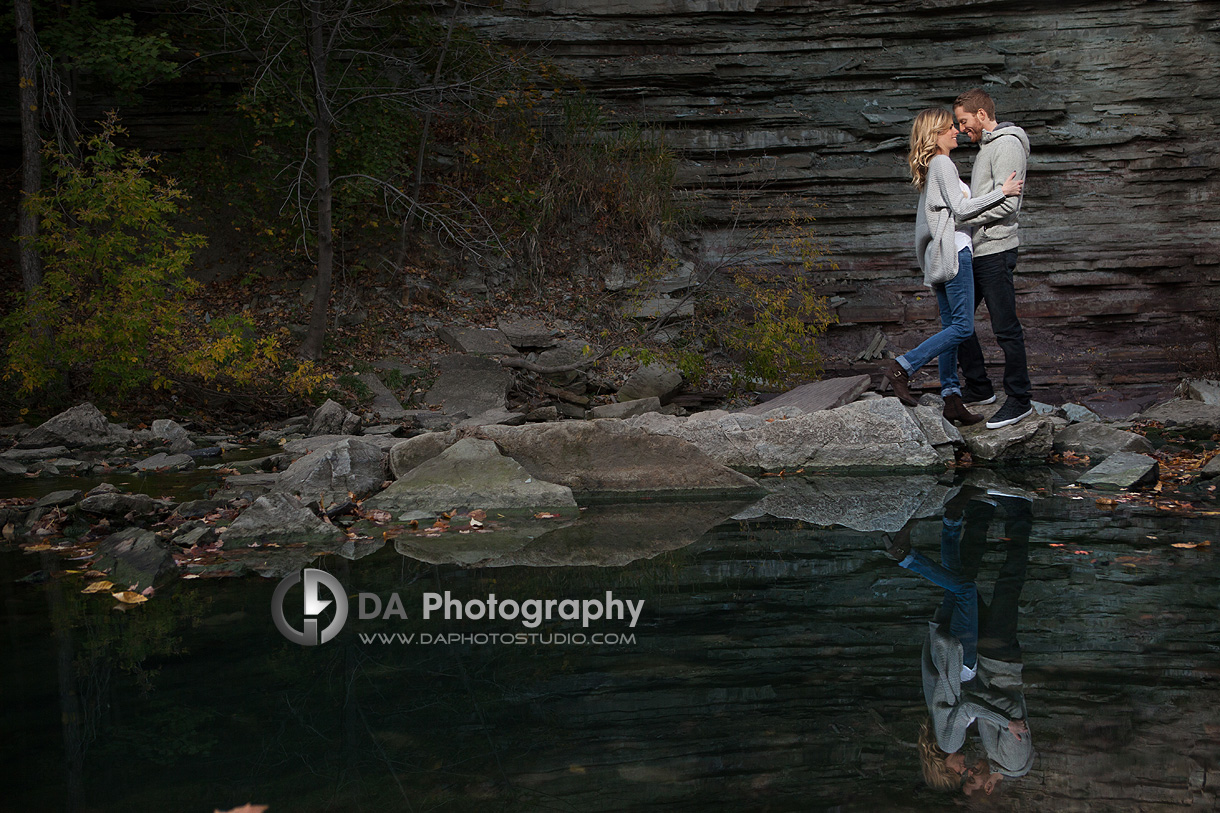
(956, 301)
(960, 605)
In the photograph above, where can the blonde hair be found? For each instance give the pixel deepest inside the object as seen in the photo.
(927, 127)
(936, 774)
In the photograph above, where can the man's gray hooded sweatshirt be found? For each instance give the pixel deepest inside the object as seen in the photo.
(1001, 151)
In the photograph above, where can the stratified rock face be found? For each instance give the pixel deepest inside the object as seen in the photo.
(762, 98)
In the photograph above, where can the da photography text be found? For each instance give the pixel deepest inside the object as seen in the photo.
(321, 590)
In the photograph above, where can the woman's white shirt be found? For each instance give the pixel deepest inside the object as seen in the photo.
(964, 236)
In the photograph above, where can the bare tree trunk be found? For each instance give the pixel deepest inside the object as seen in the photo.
(408, 221)
(311, 348)
(31, 143)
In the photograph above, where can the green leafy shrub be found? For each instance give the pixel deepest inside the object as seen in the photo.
(115, 280)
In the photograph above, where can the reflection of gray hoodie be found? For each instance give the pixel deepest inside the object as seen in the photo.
(998, 687)
(1001, 151)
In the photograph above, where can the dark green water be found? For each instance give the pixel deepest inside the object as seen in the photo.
(775, 666)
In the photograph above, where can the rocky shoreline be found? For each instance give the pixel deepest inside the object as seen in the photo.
(562, 491)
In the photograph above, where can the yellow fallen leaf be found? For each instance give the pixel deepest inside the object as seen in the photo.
(1185, 545)
(130, 597)
(98, 587)
(39, 547)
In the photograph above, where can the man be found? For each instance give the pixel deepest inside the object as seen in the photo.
(1003, 149)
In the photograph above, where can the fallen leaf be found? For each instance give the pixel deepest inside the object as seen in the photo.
(130, 597)
(478, 514)
(246, 808)
(39, 547)
(98, 587)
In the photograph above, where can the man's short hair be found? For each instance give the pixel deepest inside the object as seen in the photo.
(974, 100)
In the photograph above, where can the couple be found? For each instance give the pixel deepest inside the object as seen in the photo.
(966, 244)
(971, 662)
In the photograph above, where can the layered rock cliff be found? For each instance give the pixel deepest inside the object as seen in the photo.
(777, 102)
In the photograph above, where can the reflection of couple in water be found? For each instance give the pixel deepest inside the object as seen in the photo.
(971, 657)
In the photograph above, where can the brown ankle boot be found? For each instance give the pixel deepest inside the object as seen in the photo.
(955, 411)
(899, 381)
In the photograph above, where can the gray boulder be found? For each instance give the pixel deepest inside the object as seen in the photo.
(565, 354)
(303, 446)
(470, 473)
(470, 385)
(495, 416)
(172, 434)
(1099, 440)
(477, 341)
(1211, 469)
(329, 475)
(10, 467)
(870, 433)
(58, 499)
(651, 381)
(818, 395)
(527, 333)
(281, 518)
(1030, 439)
(612, 459)
(625, 409)
(1185, 414)
(40, 453)
(1077, 413)
(409, 453)
(1201, 389)
(332, 419)
(81, 426)
(166, 462)
(117, 504)
(1123, 470)
(135, 559)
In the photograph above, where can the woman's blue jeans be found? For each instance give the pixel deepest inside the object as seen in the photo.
(956, 301)
(960, 605)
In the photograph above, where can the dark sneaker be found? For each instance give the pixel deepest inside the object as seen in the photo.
(1012, 411)
(978, 396)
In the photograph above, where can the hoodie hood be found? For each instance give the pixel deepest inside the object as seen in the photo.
(1007, 129)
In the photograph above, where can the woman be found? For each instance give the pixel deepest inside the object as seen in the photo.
(944, 254)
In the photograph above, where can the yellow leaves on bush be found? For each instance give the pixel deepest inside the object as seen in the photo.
(228, 354)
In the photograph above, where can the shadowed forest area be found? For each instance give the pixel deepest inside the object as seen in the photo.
(237, 208)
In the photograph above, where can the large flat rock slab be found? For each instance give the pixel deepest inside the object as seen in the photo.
(385, 403)
(478, 341)
(612, 460)
(1099, 440)
(874, 433)
(816, 396)
(469, 385)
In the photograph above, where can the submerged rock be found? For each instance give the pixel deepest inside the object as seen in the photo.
(135, 558)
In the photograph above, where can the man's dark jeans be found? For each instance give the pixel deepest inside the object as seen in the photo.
(993, 285)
